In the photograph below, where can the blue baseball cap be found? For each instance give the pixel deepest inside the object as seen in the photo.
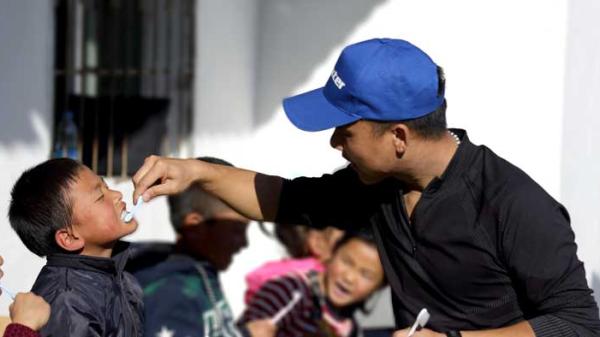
(378, 79)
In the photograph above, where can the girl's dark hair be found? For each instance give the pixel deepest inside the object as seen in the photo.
(292, 237)
(41, 204)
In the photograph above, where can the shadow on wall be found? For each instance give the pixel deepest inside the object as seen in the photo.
(25, 69)
(294, 38)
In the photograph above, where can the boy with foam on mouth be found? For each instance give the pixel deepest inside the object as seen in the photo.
(62, 210)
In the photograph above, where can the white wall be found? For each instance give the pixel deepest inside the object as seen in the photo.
(580, 184)
(225, 59)
(26, 60)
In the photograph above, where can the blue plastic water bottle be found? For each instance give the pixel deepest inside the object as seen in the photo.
(66, 138)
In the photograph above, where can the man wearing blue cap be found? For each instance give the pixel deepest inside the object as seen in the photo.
(461, 231)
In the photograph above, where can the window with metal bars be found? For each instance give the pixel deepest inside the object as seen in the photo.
(124, 71)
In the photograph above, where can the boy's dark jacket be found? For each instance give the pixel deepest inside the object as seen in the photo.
(91, 296)
(183, 297)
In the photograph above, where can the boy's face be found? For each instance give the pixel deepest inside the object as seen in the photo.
(353, 273)
(97, 213)
(216, 239)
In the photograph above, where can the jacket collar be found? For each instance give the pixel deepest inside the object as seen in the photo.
(113, 265)
(175, 264)
(458, 164)
(183, 261)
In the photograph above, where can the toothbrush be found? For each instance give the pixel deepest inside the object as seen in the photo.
(420, 322)
(285, 310)
(127, 216)
(10, 293)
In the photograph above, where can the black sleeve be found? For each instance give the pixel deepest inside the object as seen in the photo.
(540, 251)
(73, 316)
(338, 200)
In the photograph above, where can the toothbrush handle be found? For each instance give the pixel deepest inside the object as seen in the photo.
(8, 292)
(412, 330)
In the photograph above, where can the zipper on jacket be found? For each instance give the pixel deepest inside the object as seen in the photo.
(406, 222)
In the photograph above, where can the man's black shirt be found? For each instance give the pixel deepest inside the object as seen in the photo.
(485, 247)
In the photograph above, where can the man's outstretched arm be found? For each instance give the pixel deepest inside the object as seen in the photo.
(252, 194)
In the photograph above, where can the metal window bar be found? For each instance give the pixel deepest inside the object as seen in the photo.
(117, 61)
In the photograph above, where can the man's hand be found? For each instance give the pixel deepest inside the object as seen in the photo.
(163, 176)
(254, 195)
(30, 310)
(420, 333)
(261, 328)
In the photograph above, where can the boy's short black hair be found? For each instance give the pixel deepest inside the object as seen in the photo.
(361, 234)
(41, 204)
(194, 199)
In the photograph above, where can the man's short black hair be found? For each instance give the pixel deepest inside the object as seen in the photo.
(41, 204)
(430, 126)
(194, 199)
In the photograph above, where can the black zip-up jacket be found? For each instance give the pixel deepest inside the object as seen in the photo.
(90, 296)
(485, 247)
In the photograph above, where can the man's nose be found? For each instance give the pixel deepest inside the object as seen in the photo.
(335, 140)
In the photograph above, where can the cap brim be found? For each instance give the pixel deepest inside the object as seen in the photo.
(311, 111)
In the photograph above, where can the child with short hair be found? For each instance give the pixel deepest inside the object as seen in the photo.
(62, 210)
(328, 299)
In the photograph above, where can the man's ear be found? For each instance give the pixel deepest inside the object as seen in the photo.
(400, 134)
(192, 219)
(69, 240)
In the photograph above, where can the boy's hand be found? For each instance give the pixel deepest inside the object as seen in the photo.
(30, 310)
(163, 176)
(261, 328)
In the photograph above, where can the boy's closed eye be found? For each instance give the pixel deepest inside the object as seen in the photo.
(100, 187)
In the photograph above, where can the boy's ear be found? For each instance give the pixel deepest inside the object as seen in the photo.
(68, 240)
(192, 219)
(317, 246)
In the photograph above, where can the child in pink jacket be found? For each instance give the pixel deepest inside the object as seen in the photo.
(307, 250)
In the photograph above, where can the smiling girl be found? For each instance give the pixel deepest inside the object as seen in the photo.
(328, 299)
